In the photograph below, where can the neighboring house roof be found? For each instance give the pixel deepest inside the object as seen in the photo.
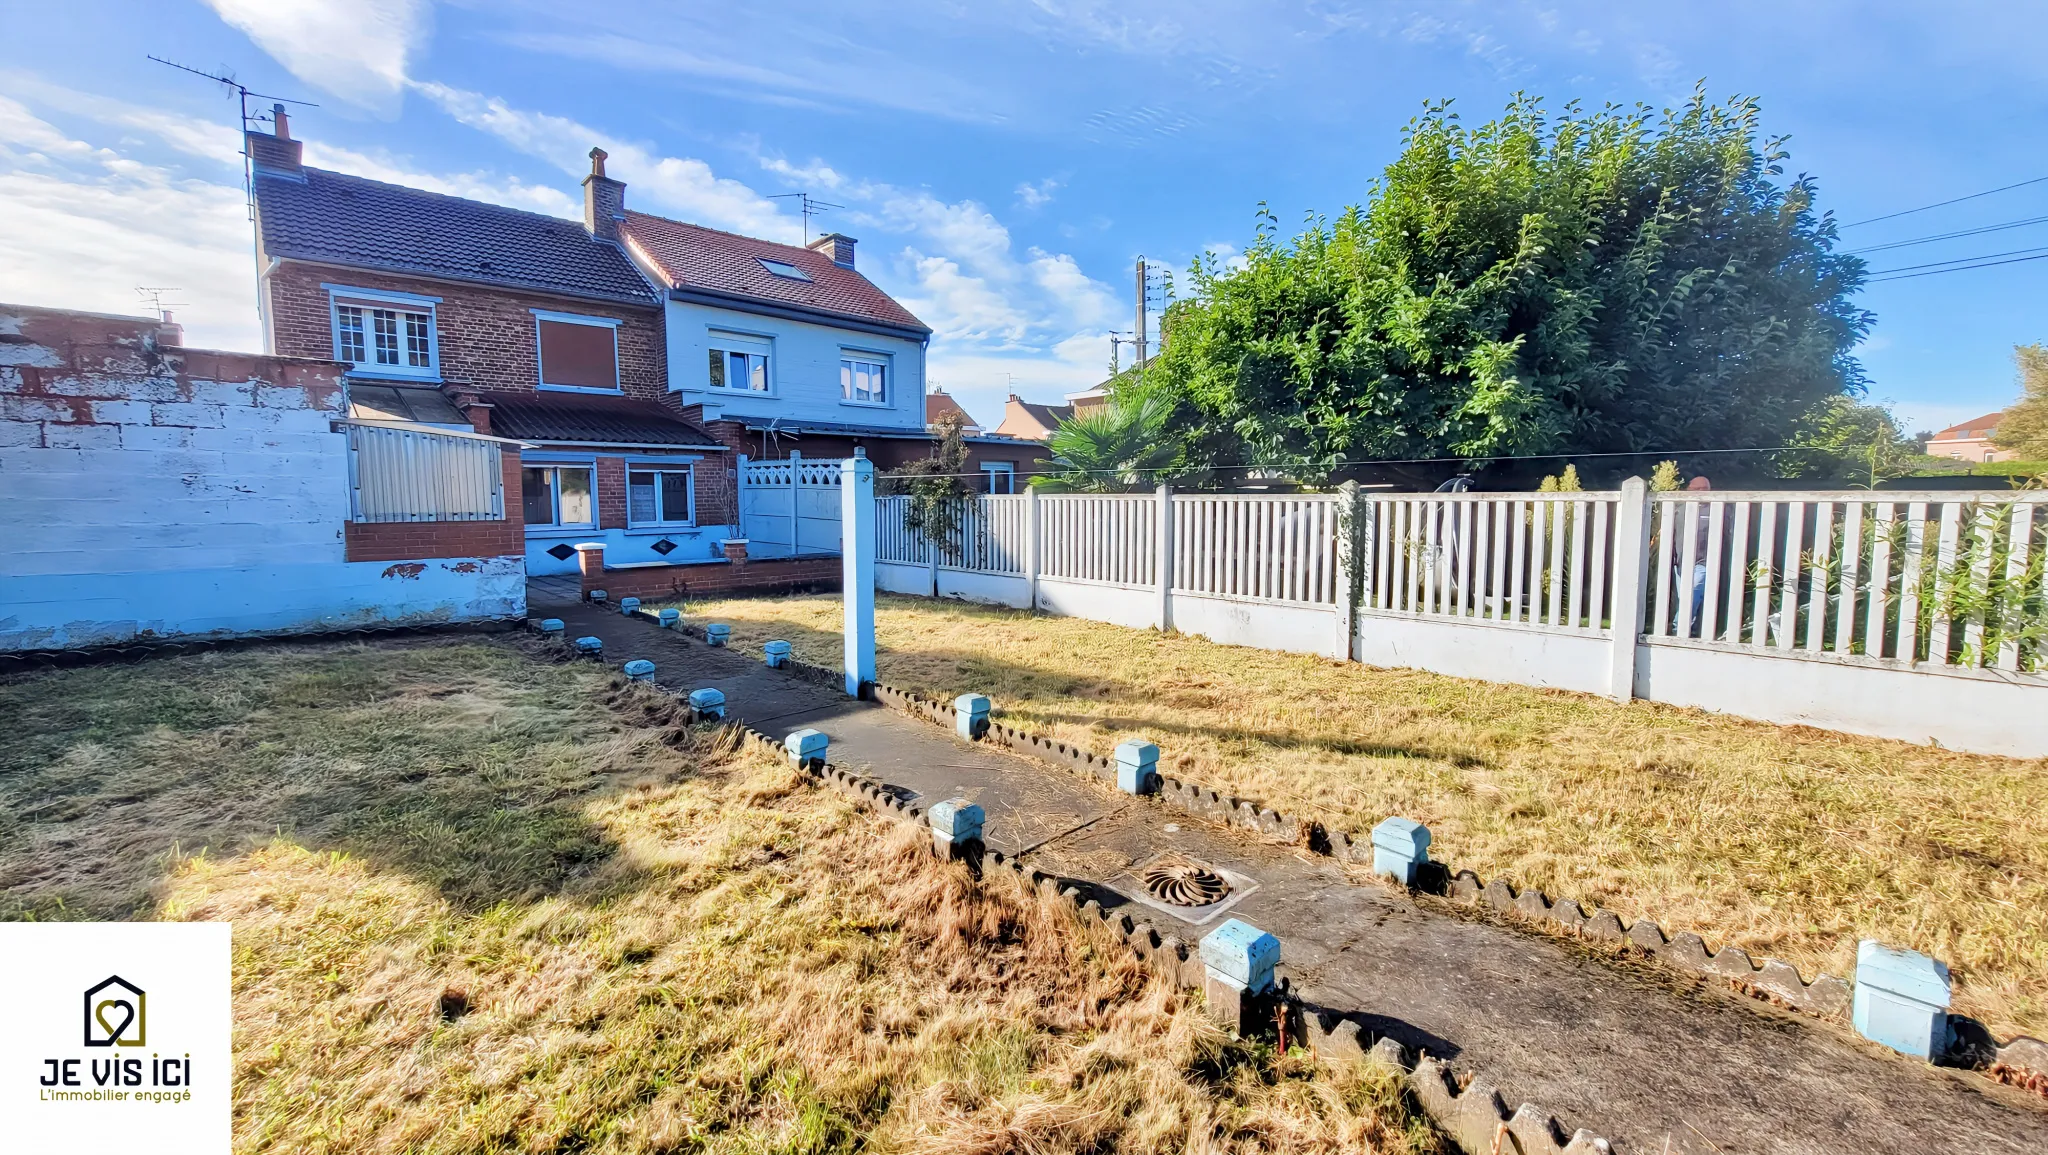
(334, 218)
(389, 403)
(1983, 426)
(938, 403)
(694, 258)
(591, 419)
(1030, 420)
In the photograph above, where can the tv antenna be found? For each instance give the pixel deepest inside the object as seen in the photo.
(154, 294)
(810, 206)
(248, 117)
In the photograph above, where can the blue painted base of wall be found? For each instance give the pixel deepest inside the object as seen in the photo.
(70, 611)
(625, 546)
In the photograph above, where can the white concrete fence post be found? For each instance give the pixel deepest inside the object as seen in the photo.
(1031, 535)
(796, 540)
(1165, 574)
(1354, 556)
(857, 561)
(1631, 584)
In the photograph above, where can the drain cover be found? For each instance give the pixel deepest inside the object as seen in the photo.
(1184, 882)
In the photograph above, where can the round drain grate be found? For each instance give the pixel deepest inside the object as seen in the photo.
(1183, 882)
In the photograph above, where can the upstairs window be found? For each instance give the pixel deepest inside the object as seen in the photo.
(739, 362)
(660, 497)
(385, 338)
(579, 353)
(864, 382)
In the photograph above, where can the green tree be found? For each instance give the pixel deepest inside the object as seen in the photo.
(1116, 448)
(935, 482)
(1611, 281)
(2024, 427)
(1843, 441)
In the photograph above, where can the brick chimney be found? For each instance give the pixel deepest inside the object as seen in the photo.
(604, 200)
(838, 246)
(276, 154)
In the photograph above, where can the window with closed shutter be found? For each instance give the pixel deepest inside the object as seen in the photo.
(575, 355)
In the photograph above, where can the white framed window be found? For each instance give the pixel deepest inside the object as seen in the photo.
(559, 496)
(663, 495)
(864, 380)
(740, 363)
(385, 334)
(577, 353)
(1002, 476)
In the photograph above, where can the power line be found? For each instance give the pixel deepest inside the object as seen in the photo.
(1959, 269)
(1930, 239)
(1944, 204)
(1426, 460)
(1961, 260)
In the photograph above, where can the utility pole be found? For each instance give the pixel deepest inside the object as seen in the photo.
(1141, 319)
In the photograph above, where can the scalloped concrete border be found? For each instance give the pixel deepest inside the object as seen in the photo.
(2019, 1061)
(1476, 1116)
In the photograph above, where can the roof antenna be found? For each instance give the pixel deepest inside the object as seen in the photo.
(810, 207)
(154, 294)
(248, 118)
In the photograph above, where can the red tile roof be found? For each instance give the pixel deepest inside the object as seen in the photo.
(938, 404)
(1981, 427)
(707, 260)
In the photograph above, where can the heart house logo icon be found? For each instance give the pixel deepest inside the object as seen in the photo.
(116, 1014)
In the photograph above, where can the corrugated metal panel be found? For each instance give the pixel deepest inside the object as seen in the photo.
(410, 475)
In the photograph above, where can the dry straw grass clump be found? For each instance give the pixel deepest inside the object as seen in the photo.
(1786, 841)
(548, 919)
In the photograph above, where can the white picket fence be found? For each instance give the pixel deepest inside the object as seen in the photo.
(1909, 615)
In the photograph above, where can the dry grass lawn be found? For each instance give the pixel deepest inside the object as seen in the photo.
(488, 903)
(1786, 841)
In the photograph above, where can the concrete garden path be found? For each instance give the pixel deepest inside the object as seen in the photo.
(1652, 1060)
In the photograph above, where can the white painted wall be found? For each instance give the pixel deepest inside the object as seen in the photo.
(803, 369)
(140, 502)
(1981, 711)
(1558, 659)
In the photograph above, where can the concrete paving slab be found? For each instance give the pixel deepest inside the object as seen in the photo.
(1656, 1061)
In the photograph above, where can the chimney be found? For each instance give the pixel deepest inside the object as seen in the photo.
(276, 154)
(838, 246)
(604, 200)
(169, 332)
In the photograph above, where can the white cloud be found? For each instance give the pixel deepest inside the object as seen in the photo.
(358, 50)
(683, 187)
(1036, 195)
(81, 226)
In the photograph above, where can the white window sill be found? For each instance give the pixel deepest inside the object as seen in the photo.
(383, 373)
(659, 529)
(614, 391)
(865, 404)
(561, 530)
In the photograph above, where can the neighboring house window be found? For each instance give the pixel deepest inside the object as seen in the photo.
(660, 497)
(864, 382)
(1002, 476)
(557, 495)
(577, 352)
(385, 335)
(739, 363)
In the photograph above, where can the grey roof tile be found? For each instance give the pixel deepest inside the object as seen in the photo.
(346, 220)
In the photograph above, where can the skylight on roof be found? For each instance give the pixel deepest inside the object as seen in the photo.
(783, 269)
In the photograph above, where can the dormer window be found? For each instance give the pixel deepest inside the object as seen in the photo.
(385, 334)
(783, 269)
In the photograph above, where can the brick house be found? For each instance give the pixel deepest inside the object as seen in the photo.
(458, 314)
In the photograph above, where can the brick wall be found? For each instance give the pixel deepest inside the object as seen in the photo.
(778, 575)
(611, 492)
(153, 490)
(406, 540)
(486, 335)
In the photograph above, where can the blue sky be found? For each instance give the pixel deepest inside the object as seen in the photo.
(1001, 163)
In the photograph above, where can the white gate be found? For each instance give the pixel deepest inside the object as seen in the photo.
(790, 508)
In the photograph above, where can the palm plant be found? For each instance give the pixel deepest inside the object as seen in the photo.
(1120, 447)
